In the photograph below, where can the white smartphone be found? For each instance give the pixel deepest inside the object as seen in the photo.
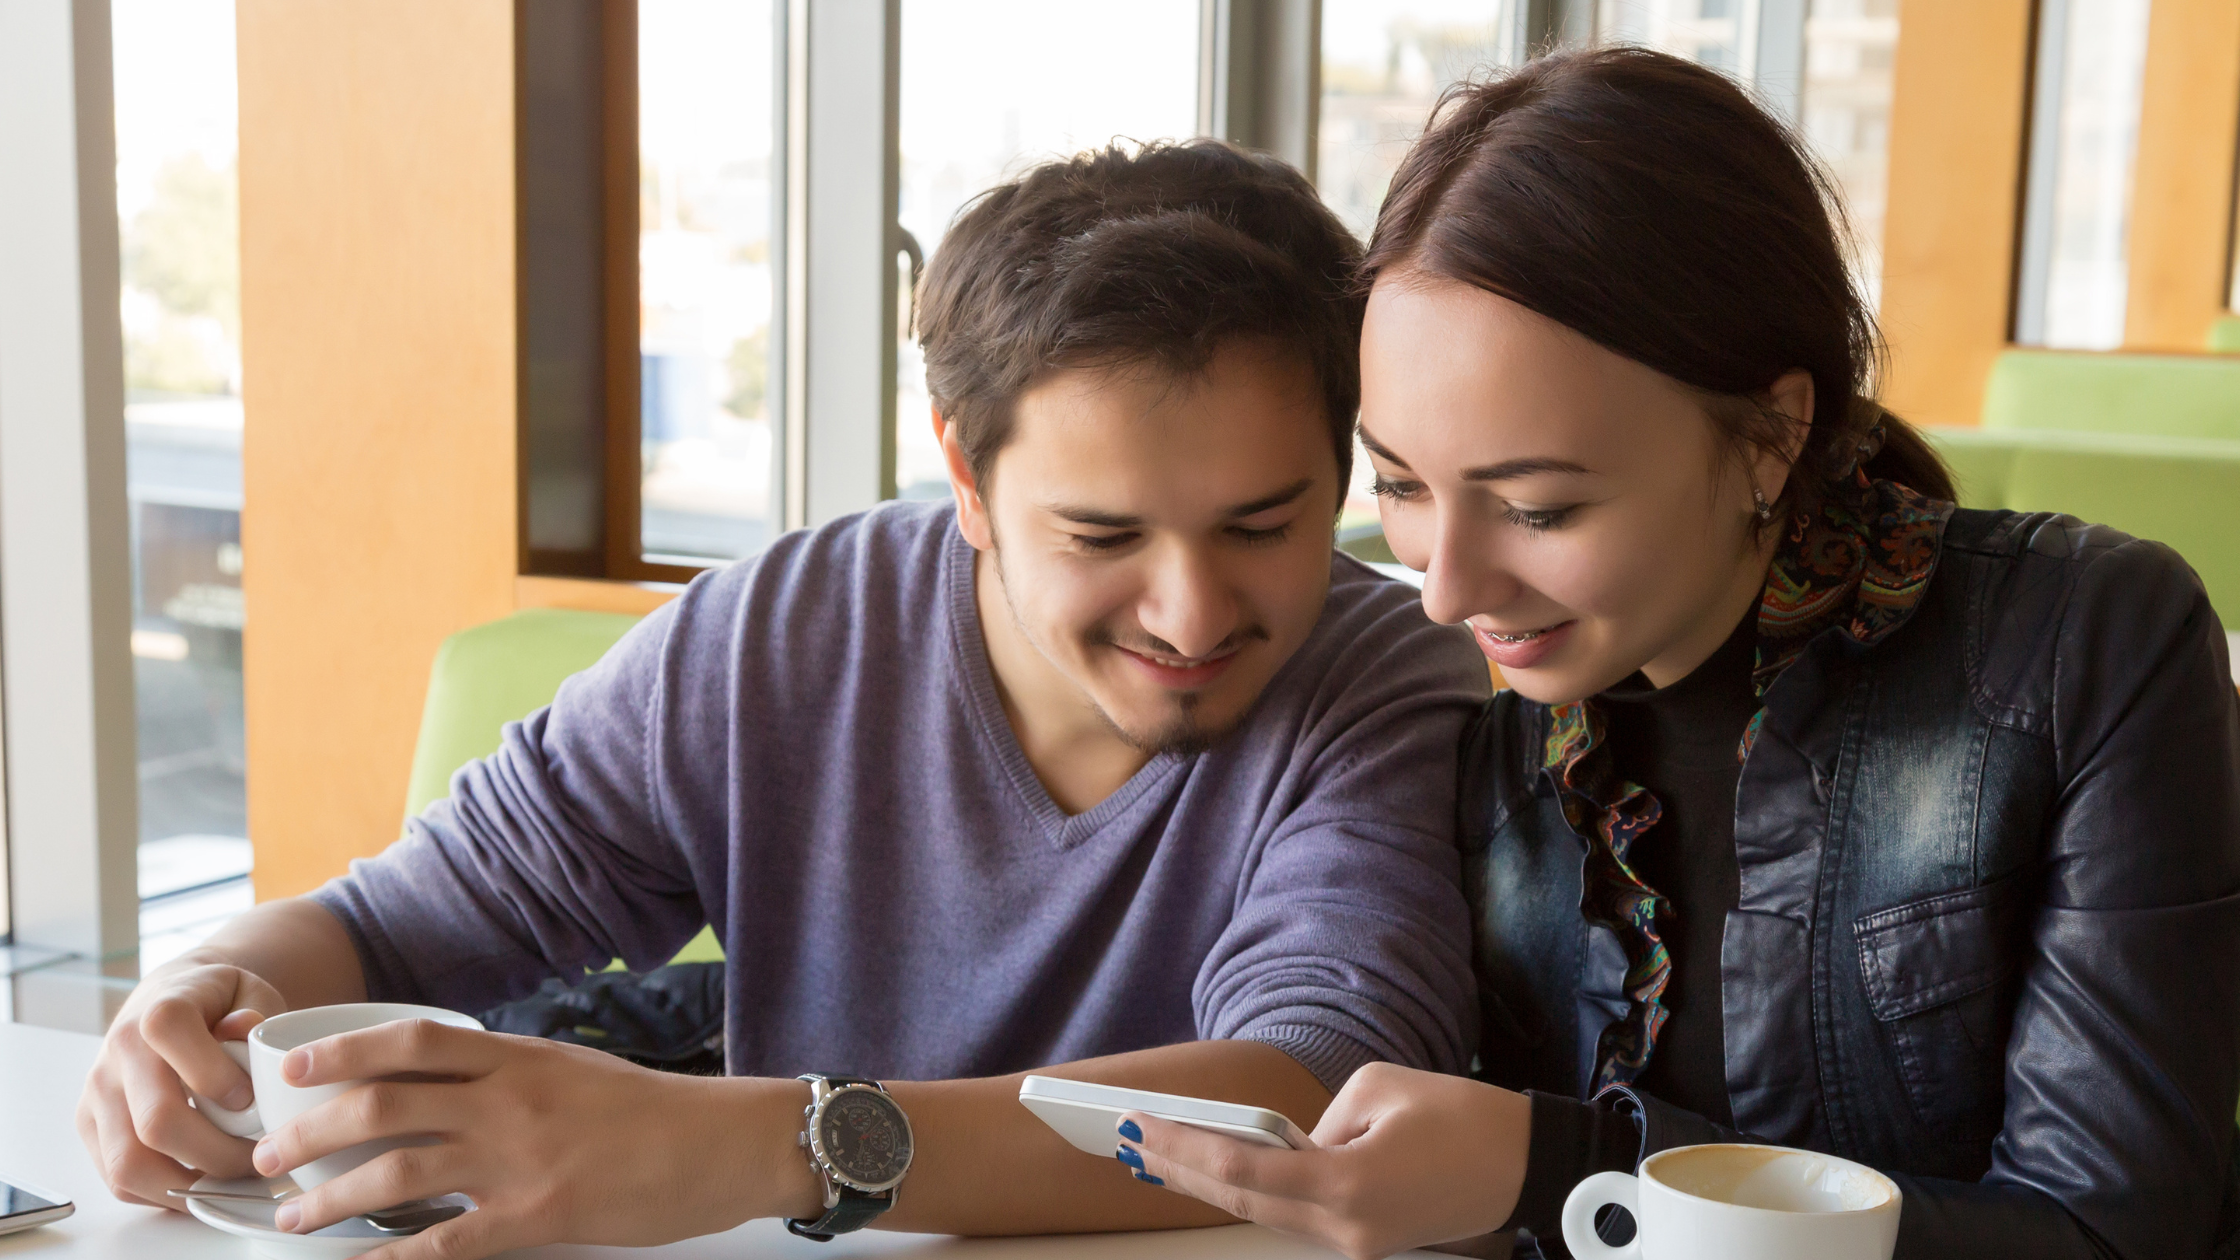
(1086, 1114)
(22, 1207)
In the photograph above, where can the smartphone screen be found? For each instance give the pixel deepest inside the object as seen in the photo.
(17, 1201)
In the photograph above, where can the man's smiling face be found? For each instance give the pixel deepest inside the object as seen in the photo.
(1163, 542)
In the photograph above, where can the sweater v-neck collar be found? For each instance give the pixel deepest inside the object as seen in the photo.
(970, 659)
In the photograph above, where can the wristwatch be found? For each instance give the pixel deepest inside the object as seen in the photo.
(859, 1142)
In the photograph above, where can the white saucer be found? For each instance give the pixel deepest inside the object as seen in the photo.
(253, 1221)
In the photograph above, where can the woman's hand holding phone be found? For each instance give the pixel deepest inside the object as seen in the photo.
(1404, 1159)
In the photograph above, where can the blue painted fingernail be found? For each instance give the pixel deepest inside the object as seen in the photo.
(1129, 1131)
(1130, 1158)
(287, 1218)
(1149, 1180)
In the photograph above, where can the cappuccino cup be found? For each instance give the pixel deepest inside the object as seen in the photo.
(277, 1102)
(1737, 1202)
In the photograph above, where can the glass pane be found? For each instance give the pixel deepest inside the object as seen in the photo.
(1710, 31)
(176, 206)
(705, 124)
(990, 87)
(1849, 49)
(1384, 64)
(2076, 223)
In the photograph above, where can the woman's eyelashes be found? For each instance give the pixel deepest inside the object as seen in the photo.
(1396, 489)
(1536, 520)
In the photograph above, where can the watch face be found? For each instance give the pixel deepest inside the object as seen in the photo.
(865, 1138)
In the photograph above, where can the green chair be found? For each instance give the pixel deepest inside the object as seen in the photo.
(2168, 395)
(2224, 335)
(2180, 491)
(2147, 443)
(488, 675)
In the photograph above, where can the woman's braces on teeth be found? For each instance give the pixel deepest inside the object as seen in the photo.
(1526, 637)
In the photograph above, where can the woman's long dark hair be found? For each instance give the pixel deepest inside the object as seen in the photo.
(1647, 203)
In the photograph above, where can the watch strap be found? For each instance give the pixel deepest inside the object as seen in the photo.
(837, 1082)
(854, 1211)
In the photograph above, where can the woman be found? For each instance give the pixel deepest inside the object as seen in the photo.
(1820, 813)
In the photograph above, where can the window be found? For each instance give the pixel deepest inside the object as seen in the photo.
(2084, 133)
(708, 487)
(1719, 33)
(990, 87)
(1850, 47)
(1384, 64)
(181, 320)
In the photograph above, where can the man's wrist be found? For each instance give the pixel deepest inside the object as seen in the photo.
(769, 1169)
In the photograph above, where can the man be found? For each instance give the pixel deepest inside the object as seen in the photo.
(1113, 764)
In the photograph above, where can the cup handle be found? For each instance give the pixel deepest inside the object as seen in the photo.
(243, 1123)
(1590, 1197)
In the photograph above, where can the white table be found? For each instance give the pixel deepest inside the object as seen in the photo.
(41, 1071)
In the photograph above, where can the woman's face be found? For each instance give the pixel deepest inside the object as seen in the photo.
(1574, 507)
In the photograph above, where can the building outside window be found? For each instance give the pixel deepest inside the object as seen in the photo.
(180, 307)
(1719, 33)
(991, 87)
(1384, 64)
(705, 129)
(1850, 49)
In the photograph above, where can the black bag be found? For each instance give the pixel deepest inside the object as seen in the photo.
(670, 1018)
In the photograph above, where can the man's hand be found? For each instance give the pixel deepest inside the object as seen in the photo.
(1405, 1159)
(133, 1115)
(554, 1143)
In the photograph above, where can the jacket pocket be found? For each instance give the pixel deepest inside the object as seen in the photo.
(1941, 978)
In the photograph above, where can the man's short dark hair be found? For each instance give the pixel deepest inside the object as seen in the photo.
(1157, 258)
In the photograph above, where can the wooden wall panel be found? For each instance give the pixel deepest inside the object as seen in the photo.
(1956, 148)
(2181, 203)
(377, 267)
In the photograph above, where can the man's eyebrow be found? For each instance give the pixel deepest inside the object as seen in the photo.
(1091, 516)
(1276, 500)
(1117, 520)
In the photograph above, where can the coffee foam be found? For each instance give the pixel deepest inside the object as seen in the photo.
(1771, 1179)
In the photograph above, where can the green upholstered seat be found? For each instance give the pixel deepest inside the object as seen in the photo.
(488, 675)
(2180, 491)
(2224, 335)
(2171, 395)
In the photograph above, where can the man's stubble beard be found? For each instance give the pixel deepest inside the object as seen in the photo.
(1183, 736)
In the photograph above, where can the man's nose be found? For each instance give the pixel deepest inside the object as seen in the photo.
(1465, 576)
(1188, 602)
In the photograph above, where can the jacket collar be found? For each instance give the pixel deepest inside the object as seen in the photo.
(1859, 568)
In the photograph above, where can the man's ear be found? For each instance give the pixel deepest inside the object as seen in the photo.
(972, 512)
(1791, 396)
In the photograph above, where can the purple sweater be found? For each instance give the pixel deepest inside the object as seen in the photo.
(806, 750)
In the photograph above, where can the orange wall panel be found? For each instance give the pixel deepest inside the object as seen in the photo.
(377, 268)
(1956, 151)
(2181, 202)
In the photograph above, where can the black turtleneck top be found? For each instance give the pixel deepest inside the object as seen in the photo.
(1681, 743)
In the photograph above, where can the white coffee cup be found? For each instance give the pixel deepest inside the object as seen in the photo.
(1737, 1202)
(277, 1102)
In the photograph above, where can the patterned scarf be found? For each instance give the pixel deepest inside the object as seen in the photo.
(1859, 567)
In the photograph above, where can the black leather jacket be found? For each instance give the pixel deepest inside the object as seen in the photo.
(1989, 931)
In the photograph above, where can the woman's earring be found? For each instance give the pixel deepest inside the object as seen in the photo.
(1759, 504)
